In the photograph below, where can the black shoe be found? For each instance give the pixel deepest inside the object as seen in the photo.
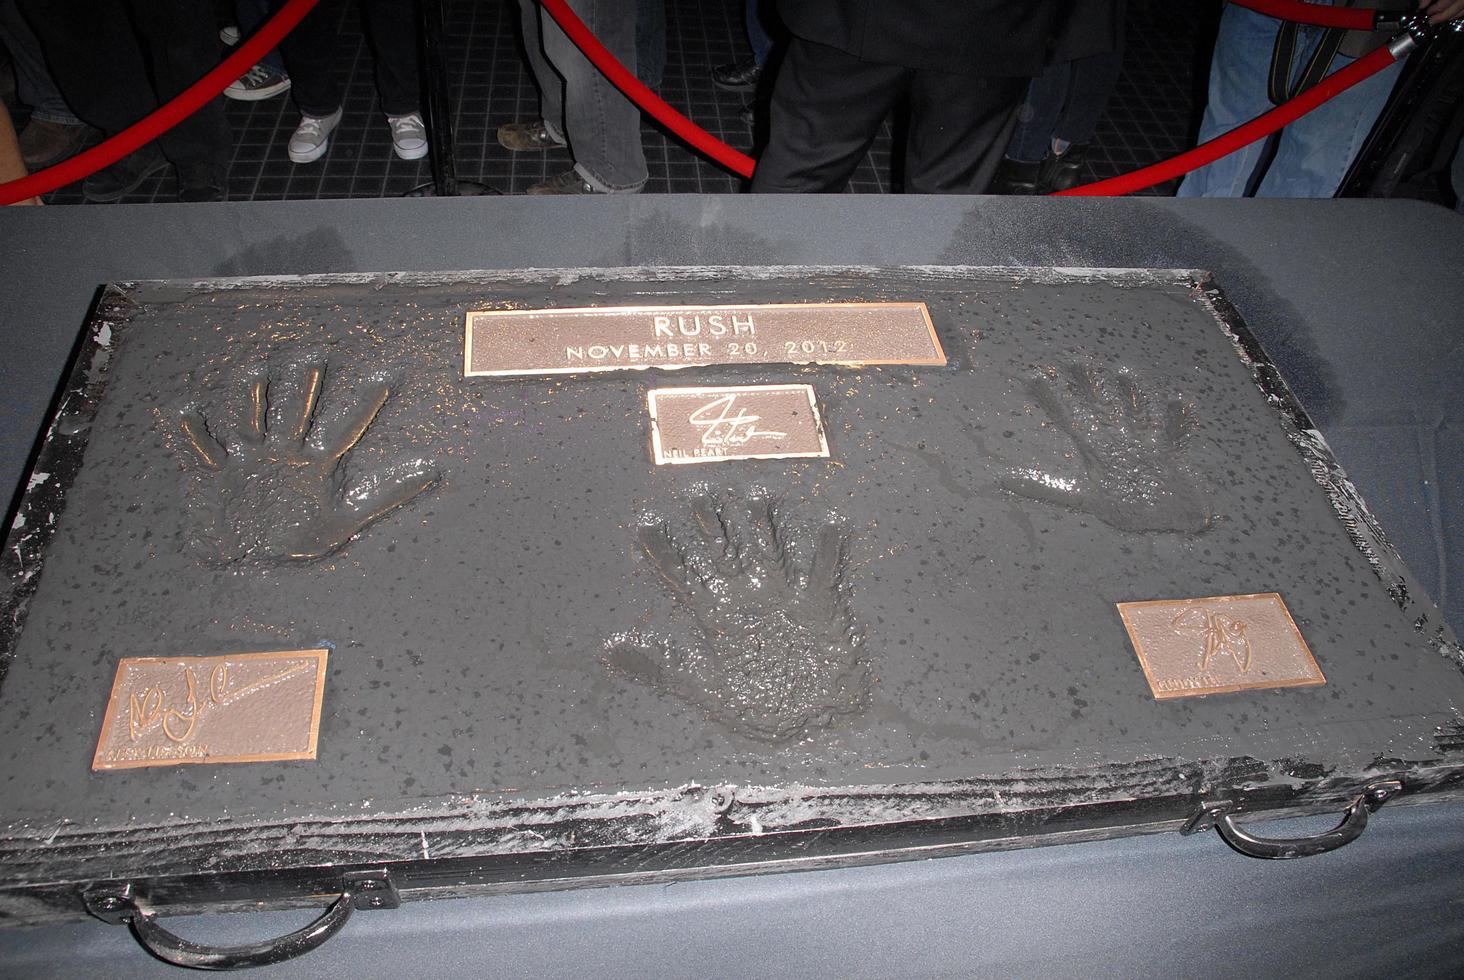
(739, 76)
(1064, 171)
(43, 142)
(124, 176)
(200, 187)
(1017, 177)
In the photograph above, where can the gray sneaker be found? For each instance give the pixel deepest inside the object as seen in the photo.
(408, 136)
(520, 136)
(312, 137)
(259, 82)
(569, 182)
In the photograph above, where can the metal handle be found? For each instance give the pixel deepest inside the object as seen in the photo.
(180, 952)
(359, 890)
(1221, 817)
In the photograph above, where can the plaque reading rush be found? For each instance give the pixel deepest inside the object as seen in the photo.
(571, 341)
(554, 658)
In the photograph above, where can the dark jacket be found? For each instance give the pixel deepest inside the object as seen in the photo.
(973, 37)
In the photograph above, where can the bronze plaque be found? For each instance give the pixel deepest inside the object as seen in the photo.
(245, 707)
(620, 338)
(704, 425)
(1223, 643)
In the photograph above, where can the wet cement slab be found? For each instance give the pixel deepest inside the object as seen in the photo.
(520, 604)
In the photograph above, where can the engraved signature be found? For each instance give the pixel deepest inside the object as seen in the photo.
(1223, 635)
(719, 427)
(147, 708)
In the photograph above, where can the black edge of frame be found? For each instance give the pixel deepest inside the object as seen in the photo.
(55, 460)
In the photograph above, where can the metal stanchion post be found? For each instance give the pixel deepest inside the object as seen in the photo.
(437, 112)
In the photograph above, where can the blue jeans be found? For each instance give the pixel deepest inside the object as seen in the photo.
(32, 78)
(1315, 151)
(601, 126)
(758, 37)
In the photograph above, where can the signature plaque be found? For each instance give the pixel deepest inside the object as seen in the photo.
(704, 425)
(1190, 647)
(620, 338)
(245, 707)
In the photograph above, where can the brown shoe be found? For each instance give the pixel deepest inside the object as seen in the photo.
(569, 182)
(527, 136)
(43, 143)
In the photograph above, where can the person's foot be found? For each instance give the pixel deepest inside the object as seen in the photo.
(312, 137)
(569, 182)
(1016, 177)
(1061, 171)
(527, 136)
(123, 177)
(408, 136)
(200, 185)
(739, 76)
(43, 142)
(259, 82)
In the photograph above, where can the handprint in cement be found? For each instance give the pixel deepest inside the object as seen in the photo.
(1131, 445)
(774, 651)
(279, 487)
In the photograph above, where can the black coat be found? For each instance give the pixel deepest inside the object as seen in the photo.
(973, 37)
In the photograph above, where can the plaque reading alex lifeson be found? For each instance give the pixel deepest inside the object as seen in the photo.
(571, 341)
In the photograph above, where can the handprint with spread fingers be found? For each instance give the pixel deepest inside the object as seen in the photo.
(279, 487)
(774, 651)
(1131, 445)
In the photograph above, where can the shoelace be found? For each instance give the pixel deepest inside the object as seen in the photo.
(310, 128)
(409, 125)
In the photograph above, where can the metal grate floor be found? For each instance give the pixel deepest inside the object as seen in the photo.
(1150, 117)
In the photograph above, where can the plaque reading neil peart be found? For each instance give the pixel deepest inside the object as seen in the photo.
(620, 338)
(245, 707)
(1223, 643)
(704, 425)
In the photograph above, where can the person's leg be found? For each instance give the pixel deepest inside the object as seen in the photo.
(546, 79)
(1039, 114)
(180, 38)
(1316, 150)
(1456, 177)
(603, 126)
(32, 79)
(1091, 84)
(754, 13)
(650, 42)
(96, 62)
(391, 28)
(1238, 74)
(959, 125)
(309, 51)
(827, 108)
(251, 15)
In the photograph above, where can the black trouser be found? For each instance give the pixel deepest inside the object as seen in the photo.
(102, 54)
(828, 106)
(309, 52)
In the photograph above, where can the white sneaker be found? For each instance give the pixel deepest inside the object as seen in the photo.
(229, 35)
(312, 137)
(408, 136)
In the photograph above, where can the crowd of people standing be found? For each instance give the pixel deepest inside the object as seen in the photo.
(1000, 95)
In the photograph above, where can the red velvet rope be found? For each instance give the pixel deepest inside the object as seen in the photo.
(1349, 18)
(1258, 128)
(170, 114)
